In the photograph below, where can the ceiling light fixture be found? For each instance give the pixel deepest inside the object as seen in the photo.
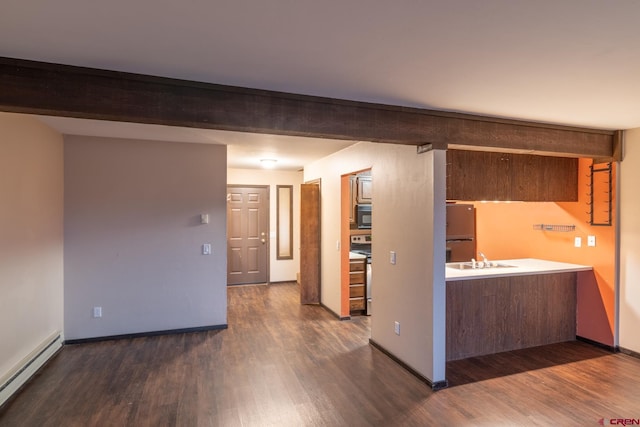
(268, 163)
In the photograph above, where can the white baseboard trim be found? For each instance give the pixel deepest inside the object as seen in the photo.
(17, 377)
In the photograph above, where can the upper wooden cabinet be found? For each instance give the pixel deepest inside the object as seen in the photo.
(484, 175)
(364, 189)
(353, 190)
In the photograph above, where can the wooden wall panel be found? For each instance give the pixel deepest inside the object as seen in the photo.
(310, 244)
(486, 316)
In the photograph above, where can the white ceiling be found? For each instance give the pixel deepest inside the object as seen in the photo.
(573, 62)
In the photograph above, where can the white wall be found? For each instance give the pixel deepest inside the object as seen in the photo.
(133, 236)
(408, 218)
(31, 239)
(629, 295)
(279, 270)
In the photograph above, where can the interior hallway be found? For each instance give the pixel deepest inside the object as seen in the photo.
(282, 364)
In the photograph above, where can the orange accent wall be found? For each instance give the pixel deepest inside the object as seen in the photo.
(505, 231)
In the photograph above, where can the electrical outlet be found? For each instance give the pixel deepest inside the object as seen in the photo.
(392, 257)
(591, 240)
(396, 327)
(577, 242)
(97, 312)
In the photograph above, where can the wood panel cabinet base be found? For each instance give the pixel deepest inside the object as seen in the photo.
(486, 316)
(358, 287)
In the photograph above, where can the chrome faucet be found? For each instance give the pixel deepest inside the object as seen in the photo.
(484, 260)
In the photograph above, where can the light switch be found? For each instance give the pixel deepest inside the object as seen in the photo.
(206, 249)
(577, 242)
(204, 218)
(591, 240)
(392, 257)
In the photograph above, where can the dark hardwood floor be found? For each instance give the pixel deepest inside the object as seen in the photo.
(283, 364)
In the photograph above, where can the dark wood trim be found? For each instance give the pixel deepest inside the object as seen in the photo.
(629, 352)
(334, 314)
(618, 138)
(61, 90)
(147, 334)
(596, 344)
(435, 386)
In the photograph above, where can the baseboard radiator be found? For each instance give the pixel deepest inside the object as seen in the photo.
(27, 367)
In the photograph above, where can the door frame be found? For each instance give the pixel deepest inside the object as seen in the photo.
(268, 188)
(346, 201)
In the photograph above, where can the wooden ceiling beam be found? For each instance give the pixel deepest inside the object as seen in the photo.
(61, 90)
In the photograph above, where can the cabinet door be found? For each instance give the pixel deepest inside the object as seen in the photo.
(364, 189)
(353, 190)
(525, 185)
(560, 177)
(497, 176)
(478, 175)
(544, 178)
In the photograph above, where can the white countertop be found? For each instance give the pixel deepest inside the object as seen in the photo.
(521, 267)
(353, 255)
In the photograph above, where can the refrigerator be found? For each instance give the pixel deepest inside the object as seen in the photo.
(461, 232)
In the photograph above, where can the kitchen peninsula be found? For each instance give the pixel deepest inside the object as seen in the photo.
(520, 303)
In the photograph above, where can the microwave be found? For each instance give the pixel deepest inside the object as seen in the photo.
(363, 216)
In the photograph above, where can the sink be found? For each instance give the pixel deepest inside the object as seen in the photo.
(460, 265)
(479, 265)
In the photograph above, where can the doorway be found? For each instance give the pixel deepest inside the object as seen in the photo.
(355, 240)
(247, 234)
